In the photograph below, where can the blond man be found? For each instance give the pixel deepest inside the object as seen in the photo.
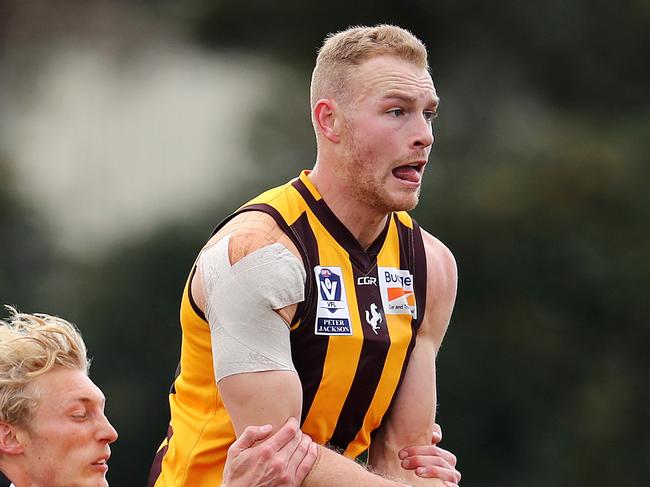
(323, 299)
(53, 431)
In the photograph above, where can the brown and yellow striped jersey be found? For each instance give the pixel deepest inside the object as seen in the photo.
(350, 339)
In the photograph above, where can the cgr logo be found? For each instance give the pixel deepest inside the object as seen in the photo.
(366, 281)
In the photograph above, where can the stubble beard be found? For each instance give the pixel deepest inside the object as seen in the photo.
(362, 182)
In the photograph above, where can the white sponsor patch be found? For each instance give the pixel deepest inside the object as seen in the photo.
(332, 314)
(397, 294)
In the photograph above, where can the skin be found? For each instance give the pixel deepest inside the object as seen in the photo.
(364, 148)
(431, 460)
(67, 440)
(386, 124)
(260, 459)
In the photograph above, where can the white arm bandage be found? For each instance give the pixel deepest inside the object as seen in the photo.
(247, 334)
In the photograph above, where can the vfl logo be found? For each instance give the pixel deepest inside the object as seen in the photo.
(330, 285)
(373, 318)
(332, 315)
(397, 292)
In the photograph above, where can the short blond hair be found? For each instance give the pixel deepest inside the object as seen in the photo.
(344, 50)
(30, 346)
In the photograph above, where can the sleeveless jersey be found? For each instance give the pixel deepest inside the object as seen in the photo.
(350, 339)
(4, 481)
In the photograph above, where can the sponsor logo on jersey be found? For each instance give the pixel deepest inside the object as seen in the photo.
(332, 314)
(397, 294)
(373, 318)
(366, 281)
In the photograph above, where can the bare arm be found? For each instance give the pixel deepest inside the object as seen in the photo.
(273, 396)
(412, 416)
(259, 459)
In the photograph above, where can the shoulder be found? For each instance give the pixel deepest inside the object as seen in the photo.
(442, 271)
(442, 284)
(250, 231)
(246, 233)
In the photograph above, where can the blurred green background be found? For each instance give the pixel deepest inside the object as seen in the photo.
(129, 129)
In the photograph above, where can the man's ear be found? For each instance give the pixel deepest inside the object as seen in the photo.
(10, 440)
(328, 119)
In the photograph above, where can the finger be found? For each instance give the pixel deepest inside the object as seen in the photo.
(418, 450)
(433, 472)
(432, 467)
(307, 463)
(288, 449)
(447, 455)
(412, 463)
(431, 451)
(439, 472)
(428, 451)
(436, 437)
(250, 436)
(284, 435)
(298, 454)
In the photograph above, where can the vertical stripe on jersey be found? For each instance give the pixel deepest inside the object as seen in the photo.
(156, 466)
(342, 351)
(419, 264)
(188, 292)
(415, 258)
(308, 351)
(370, 365)
(401, 336)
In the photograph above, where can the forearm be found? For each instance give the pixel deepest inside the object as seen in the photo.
(332, 468)
(411, 418)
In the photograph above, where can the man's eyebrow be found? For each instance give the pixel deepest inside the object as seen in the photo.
(86, 400)
(396, 95)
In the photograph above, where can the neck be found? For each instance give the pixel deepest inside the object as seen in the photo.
(364, 222)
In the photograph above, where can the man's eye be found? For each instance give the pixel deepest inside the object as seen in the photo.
(429, 116)
(397, 112)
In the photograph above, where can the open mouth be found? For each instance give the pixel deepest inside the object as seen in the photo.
(411, 172)
(101, 463)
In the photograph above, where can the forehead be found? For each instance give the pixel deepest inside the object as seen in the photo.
(383, 76)
(61, 386)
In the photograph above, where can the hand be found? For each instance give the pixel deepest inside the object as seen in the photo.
(259, 459)
(431, 461)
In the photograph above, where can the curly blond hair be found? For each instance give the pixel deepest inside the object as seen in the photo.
(344, 50)
(30, 346)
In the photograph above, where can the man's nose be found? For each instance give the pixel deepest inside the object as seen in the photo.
(422, 133)
(106, 432)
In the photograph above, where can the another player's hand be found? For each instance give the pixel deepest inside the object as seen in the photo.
(259, 459)
(431, 461)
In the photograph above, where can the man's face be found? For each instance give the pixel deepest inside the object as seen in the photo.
(387, 133)
(66, 443)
